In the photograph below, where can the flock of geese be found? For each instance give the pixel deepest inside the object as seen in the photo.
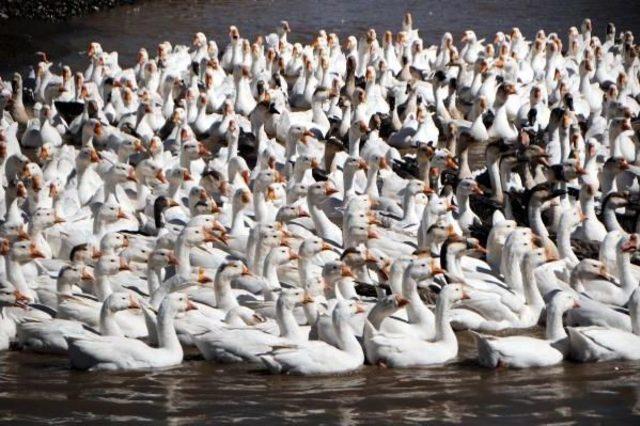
(312, 208)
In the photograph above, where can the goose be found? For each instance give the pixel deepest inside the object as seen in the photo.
(310, 358)
(473, 315)
(402, 352)
(50, 336)
(122, 353)
(609, 293)
(528, 352)
(247, 344)
(588, 344)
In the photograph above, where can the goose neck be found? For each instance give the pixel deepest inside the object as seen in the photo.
(444, 332)
(167, 337)
(108, 324)
(532, 295)
(225, 298)
(555, 329)
(103, 287)
(346, 339)
(289, 328)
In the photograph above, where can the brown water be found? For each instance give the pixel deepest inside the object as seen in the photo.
(146, 23)
(37, 388)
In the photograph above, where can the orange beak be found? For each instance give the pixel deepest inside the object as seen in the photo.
(22, 235)
(87, 275)
(132, 176)
(202, 277)
(133, 302)
(137, 145)
(246, 271)
(402, 301)
(293, 256)
(160, 176)
(35, 253)
(329, 190)
(124, 266)
(326, 246)
(191, 306)
(345, 271)
(121, 214)
(173, 260)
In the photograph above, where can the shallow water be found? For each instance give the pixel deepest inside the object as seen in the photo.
(38, 388)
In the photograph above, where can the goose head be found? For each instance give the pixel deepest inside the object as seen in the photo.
(121, 173)
(192, 150)
(242, 199)
(291, 297)
(454, 293)
(87, 155)
(313, 246)
(139, 254)
(628, 243)
(467, 187)
(362, 233)
(149, 171)
(391, 304)
(592, 269)
(344, 310)
(537, 257)
(111, 242)
(281, 255)
(356, 257)
(415, 187)
(320, 191)
(230, 270)
(25, 251)
(120, 301)
(563, 301)
(423, 268)
(44, 218)
(335, 270)
(73, 274)
(109, 265)
(380, 263)
(110, 211)
(177, 175)
(444, 160)
(161, 258)
(194, 236)
(288, 213)
(177, 303)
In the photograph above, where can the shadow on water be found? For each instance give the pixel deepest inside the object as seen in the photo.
(37, 388)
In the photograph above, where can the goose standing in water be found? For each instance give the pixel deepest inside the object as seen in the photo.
(480, 176)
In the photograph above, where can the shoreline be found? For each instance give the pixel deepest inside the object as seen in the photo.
(54, 10)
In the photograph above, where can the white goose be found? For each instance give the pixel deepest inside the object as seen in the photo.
(605, 344)
(406, 352)
(311, 358)
(122, 353)
(525, 351)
